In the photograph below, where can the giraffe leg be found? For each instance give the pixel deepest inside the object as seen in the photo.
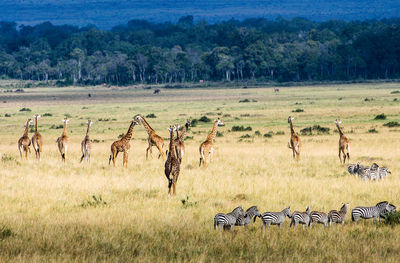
(20, 151)
(344, 156)
(174, 186)
(126, 159)
(161, 152)
(211, 153)
(114, 153)
(340, 157)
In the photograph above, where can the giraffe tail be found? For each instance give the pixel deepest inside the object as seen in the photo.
(348, 151)
(288, 145)
(63, 156)
(109, 160)
(201, 155)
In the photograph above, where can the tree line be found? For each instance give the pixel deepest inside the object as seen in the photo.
(253, 49)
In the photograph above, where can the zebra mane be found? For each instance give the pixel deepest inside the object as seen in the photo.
(381, 203)
(251, 208)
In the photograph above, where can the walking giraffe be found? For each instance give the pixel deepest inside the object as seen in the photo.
(86, 144)
(172, 164)
(295, 143)
(122, 145)
(24, 142)
(37, 140)
(62, 141)
(207, 147)
(180, 140)
(153, 140)
(344, 144)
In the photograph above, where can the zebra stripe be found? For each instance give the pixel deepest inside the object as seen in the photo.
(318, 217)
(379, 210)
(301, 217)
(335, 216)
(229, 219)
(275, 218)
(244, 220)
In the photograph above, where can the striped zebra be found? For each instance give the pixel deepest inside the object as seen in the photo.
(379, 172)
(363, 171)
(352, 169)
(318, 217)
(275, 218)
(335, 216)
(303, 218)
(244, 220)
(227, 220)
(379, 210)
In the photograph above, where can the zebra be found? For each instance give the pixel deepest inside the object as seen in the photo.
(380, 172)
(318, 217)
(373, 173)
(379, 210)
(229, 219)
(352, 169)
(391, 208)
(275, 218)
(362, 171)
(335, 216)
(244, 220)
(303, 218)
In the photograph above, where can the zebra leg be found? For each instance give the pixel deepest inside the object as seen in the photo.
(280, 225)
(231, 228)
(375, 220)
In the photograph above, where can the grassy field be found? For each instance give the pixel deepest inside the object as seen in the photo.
(48, 213)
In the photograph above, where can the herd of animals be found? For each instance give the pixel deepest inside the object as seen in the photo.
(174, 155)
(239, 217)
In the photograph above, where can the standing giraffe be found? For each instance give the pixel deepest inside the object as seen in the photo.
(207, 147)
(24, 142)
(122, 145)
(172, 164)
(344, 144)
(86, 144)
(37, 140)
(62, 141)
(180, 140)
(295, 143)
(153, 140)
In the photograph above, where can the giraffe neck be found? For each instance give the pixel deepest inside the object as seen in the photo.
(146, 125)
(291, 128)
(213, 132)
(183, 133)
(88, 129)
(171, 151)
(36, 124)
(26, 129)
(128, 134)
(340, 130)
(65, 129)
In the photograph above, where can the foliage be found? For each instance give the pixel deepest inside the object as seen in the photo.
(205, 119)
(241, 128)
(194, 122)
(243, 101)
(151, 115)
(53, 126)
(298, 110)
(315, 129)
(393, 218)
(47, 114)
(220, 134)
(395, 92)
(381, 116)
(373, 130)
(25, 109)
(5, 232)
(186, 203)
(392, 124)
(94, 201)
(268, 135)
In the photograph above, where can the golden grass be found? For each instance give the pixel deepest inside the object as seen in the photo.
(45, 204)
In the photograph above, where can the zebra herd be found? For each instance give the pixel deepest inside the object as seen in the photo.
(239, 217)
(368, 173)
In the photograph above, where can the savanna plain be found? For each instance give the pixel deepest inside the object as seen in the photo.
(51, 211)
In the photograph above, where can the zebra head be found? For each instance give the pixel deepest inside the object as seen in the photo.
(308, 210)
(343, 209)
(238, 211)
(286, 211)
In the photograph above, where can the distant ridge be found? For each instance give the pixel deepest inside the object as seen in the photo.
(108, 13)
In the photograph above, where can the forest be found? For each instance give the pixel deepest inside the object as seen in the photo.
(280, 50)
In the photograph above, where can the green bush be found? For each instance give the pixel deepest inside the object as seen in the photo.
(257, 133)
(318, 129)
(205, 119)
(392, 124)
(268, 135)
(194, 122)
(56, 126)
(241, 128)
(5, 232)
(243, 101)
(25, 109)
(373, 130)
(151, 116)
(395, 92)
(246, 136)
(381, 116)
(298, 110)
(219, 134)
(47, 114)
(393, 218)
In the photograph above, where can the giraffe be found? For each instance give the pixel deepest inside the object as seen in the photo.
(122, 145)
(344, 144)
(62, 141)
(86, 144)
(153, 140)
(295, 143)
(207, 147)
(24, 142)
(172, 164)
(180, 140)
(37, 140)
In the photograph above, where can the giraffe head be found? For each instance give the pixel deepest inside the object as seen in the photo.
(135, 122)
(29, 122)
(337, 122)
(37, 116)
(138, 118)
(219, 122)
(65, 121)
(290, 119)
(172, 129)
(89, 122)
(188, 124)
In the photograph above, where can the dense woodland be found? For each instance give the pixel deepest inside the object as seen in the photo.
(253, 49)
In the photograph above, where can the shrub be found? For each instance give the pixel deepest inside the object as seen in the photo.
(7, 158)
(395, 99)
(194, 122)
(244, 101)
(5, 232)
(67, 115)
(257, 133)
(298, 110)
(47, 114)
(25, 109)
(392, 124)
(372, 130)
(268, 135)
(393, 218)
(84, 108)
(381, 116)
(280, 133)
(395, 92)
(368, 99)
(205, 119)
(186, 203)
(226, 115)
(151, 116)
(246, 136)
(105, 119)
(56, 126)
(316, 128)
(121, 135)
(94, 201)
(241, 128)
(7, 115)
(219, 134)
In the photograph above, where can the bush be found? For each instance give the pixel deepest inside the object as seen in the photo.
(121, 135)
(7, 115)
(244, 101)
(7, 158)
(246, 136)
(56, 126)
(47, 114)
(298, 110)
(372, 130)
(151, 116)
(257, 133)
(105, 119)
(94, 201)
(25, 109)
(316, 128)
(381, 116)
(393, 218)
(186, 203)
(392, 124)
(219, 134)
(241, 128)
(67, 115)
(280, 133)
(194, 122)
(395, 92)
(368, 99)
(5, 232)
(268, 135)
(205, 119)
